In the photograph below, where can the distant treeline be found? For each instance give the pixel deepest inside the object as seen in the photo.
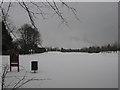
(105, 48)
(91, 49)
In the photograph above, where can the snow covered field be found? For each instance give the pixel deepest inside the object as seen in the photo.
(68, 70)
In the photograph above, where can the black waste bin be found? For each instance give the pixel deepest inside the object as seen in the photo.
(34, 66)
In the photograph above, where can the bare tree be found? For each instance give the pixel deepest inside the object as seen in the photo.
(30, 37)
(13, 84)
(16, 82)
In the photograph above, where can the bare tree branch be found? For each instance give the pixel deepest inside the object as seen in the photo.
(41, 11)
(71, 8)
(23, 84)
(47, 6)
(29, 14)
(5, 71)
(17, 85)
(57, 12)
(9, 6)
(1, 3)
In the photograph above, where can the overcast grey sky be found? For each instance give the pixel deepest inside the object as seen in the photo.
(98, 25)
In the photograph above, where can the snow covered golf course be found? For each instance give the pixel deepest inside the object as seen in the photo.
(68, 70)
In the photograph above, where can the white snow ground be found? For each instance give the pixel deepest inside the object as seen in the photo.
(68, 70)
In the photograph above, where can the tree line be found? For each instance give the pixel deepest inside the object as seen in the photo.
(92, 49)
(29, 41)
(105, 48)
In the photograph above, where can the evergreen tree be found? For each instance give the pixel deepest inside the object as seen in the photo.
(7, 44)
